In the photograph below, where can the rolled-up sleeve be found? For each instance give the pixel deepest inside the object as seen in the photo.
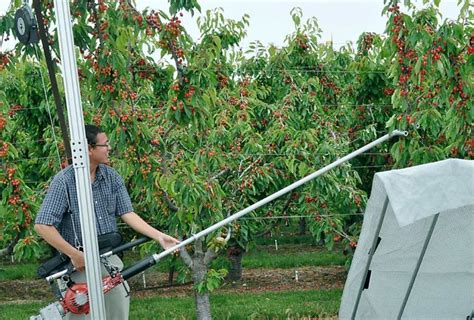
(54, 204)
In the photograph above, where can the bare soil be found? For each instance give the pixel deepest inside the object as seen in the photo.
(253, 280)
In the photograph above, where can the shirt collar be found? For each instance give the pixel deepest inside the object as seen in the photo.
(98, 173)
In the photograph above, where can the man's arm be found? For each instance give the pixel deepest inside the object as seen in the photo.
(141, 226)
(52, 236)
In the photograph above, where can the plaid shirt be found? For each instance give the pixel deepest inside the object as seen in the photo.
(60, 207)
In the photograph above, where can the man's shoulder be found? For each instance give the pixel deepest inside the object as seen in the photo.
(65, 174)
(63, 178)
(109, 172)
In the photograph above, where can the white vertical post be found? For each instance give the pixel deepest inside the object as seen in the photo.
(80, 159)
(144, 280)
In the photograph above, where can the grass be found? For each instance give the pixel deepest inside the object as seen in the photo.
(18, 271)
(271, 258)
(266, 305)
(20, 311)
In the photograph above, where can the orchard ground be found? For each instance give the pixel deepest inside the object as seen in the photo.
(267, 285)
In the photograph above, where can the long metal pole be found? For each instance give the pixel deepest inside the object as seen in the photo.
(151, 260)
(80, 159)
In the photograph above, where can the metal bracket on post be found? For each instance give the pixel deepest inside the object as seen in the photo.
(78, 160)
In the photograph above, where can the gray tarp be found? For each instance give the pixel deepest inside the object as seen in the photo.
(444, 285)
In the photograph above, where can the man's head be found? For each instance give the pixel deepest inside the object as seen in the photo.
(91, 134)
(98, 145)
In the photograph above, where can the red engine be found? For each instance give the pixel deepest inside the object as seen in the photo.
(76, 299)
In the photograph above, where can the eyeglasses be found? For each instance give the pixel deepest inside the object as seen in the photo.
(103, 145)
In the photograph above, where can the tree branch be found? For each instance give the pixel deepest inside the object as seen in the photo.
(165, 135)
(249, 167)
(287, 204)
(169, 203)
(165, 196)
(9, 249)
(164, 169)
(112, 105)
(222, 172)
(184, 254)
(209, 256)
(198, 246)
(93, 6)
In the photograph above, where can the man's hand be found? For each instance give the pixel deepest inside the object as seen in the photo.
(167, 241)
(52, 236)
(77, 259)
(139, 225)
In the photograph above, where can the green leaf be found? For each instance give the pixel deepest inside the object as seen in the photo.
(440, 67)
(418, 65)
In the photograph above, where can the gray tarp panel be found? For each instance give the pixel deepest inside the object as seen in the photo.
(444, 287)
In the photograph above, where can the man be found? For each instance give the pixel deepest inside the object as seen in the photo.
(58, 219)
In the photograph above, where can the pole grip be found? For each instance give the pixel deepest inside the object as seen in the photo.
(138, 267)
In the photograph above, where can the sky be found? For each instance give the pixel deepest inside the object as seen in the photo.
(270, 21)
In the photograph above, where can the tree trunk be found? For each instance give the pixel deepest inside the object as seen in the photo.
(235, 254)
(302, 226)
(171, 275)
(203, 307)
